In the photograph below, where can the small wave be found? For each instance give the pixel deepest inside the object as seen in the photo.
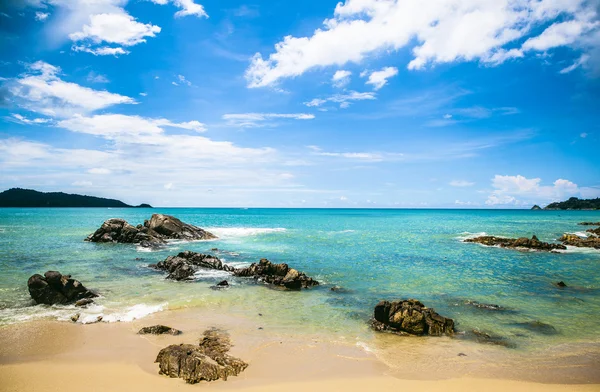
(228, 232)
(133, 313)
(204, 273)
(465, 235)
(576, 249)
(364, 346)
(581, 234)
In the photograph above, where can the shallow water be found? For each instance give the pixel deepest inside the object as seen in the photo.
(373, 254)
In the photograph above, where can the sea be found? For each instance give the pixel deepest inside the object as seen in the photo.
(368, 254)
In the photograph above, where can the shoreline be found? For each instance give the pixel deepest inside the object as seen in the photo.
(111, 356)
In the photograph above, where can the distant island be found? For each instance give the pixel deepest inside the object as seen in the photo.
(573, 203)
(17, 197)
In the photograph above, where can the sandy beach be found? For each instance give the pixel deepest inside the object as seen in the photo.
(111, 356)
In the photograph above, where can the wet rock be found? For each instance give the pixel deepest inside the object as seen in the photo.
(410, 317)
(277, 274)
(159, 330)
(84, 302)
(591, 241)
(479, 305)
(560, 284)
(486, 338)
(534, 243)
(75, 317)
(185, 264)
(538, 327)
(55, 288)
(207, 361)
(153, 233)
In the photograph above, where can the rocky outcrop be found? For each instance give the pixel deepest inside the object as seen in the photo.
(525, 243)
(158, 330)
(277, 274)
(591, 241)
(589, 223)
(410, 317)
(207, 361)
(536, 207)
(55, 288)
(153, 233)
(185, 264)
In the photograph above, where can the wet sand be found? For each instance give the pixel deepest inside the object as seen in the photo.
(52, 355)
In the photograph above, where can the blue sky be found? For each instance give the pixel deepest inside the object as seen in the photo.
(362, 103)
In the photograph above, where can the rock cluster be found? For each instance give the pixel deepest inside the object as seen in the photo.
(410, 317)
(152, 233)
(207, 361)
(277, 274)
(534, 243)
(591, 241)
(589, 223)
(185, 264)
(55, 288)
(159, 330)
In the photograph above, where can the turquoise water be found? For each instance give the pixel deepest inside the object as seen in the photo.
(374, 254)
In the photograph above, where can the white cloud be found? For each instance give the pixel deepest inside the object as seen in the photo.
(188, 7)
(362, 156)
(24, 120)
(41, 16)
(82, 184)
(115, 28)
(341, 78)
(444, 31)
(343, 99)
(461, 183)
(41, 90)
(93, 77)
(249, 120)
(380, 78)
(99, 170)
(183, 80)
(144, 94)
(578, 63)
(583, 135)
(519, 190)
(101, 51)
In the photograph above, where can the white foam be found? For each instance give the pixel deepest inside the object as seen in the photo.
(364, 346)
(581, 234)
(228, 232)
(465, 235)
(210, 273)
(576, 249)
(133, 313)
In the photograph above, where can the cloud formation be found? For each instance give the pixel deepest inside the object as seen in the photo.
(519, 190)
(252, 120)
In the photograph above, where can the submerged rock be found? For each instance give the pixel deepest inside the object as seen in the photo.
(55, 288)
(486, 338)
(153, 233)
(410, 317)
(560, 284)
(186, 264)
(207, 361)
(523, 242)
(479, 305)
(538, 327)
(277, 274)
(159, 330)
(592, 241)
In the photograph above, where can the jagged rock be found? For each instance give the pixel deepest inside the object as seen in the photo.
(159, 330)
(153, 233)
(410, 317)
(207, 361)
(277, 274)
(185, 264)
(84, 302)
(581, 242)
(55, 288)
(523, 242)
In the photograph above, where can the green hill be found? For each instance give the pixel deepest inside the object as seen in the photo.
(17, 197)
(575, 204)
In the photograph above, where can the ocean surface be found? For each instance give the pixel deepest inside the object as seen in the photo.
(372, 254)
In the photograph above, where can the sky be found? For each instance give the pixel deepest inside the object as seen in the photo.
(317, 103)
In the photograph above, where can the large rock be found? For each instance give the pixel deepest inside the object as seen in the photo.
(55, 288)
(410, 317)
(592, 241)
(524, 243)
(277, 274)
(207, 361)
(153, 233)
(185, 264)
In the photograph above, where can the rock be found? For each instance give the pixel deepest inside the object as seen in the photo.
(589, 223)
(536, 207)
(581, 242)
(277, 274)
(75, 317)
(159, 330)
(484, 306)
(207, 361)
(185, 264)
(538, 327)
(153, 233)
(486, 338)
(560, 284)
(410, 317)
(462, 354)
(533, 243)
(84, 302)
(55, 288)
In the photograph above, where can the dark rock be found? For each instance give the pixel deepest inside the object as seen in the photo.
(84, 302)
(153, 233)
(75, 317)
(159, 330)
(589, 223)
(484, 306)
(560, 284)
(534, 243)
(277, 274)
(462, 354)
(486, 338)
(55, 288)
(538, 327)
(410, 317)
(185, 264)
(207, 361)
(223, 283)
(536, 207)
(592, 241)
